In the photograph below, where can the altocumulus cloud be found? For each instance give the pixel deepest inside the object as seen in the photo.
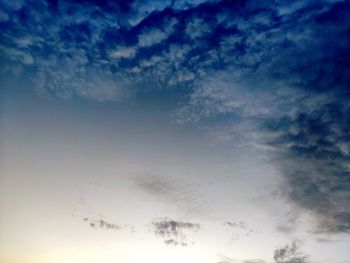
(105, 50)
(281, 69)
(94, 49)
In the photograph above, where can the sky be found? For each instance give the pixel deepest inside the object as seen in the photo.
(198, 131)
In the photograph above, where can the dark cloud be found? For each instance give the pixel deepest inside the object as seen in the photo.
(174, 232)
(100, 223)
(290, 254)
(316, 162)
(292, 86)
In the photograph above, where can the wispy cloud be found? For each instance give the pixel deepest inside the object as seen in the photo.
(100, 223)
(290, 253)
(175, 192)
(239, 229)
(106, 225)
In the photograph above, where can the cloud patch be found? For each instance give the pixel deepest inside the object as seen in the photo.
(290, 254)
(174, 232)
(240, 229)
(185, 196)
(102, 224)
(106, 225)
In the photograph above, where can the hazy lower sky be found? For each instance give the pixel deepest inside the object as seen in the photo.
(174, 131)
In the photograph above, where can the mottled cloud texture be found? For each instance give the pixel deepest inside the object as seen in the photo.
(278, 71)
(103, 224)
(174, 232)
(290, 253)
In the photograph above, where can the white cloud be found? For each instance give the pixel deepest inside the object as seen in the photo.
(197, 28)
(122, 52)
(152, 37)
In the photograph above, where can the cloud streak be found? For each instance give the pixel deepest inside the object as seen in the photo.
(101, 224)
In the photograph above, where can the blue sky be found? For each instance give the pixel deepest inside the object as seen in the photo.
(221, 114)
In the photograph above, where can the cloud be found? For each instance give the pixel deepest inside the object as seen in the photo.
(100, 223)
(122, 52)
(240, 229)
(13, 5)
(107, 225)
(239, 224)
(278, 72)
(174, 232)
(290, 254)
(289, 222)
(304, 133)
(197, 28)
(113, 45)
(151, 38)
(297, 112)
(178, 193)
(214, 35)
(314, 145)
